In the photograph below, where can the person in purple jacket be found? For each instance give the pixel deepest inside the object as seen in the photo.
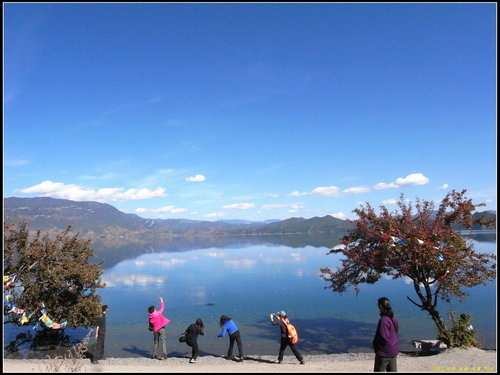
(158, 322)
(229, 326)
(385, 343)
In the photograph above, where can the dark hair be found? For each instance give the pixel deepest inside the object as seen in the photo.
(223, 319)
(151, 309)
(385, 305)
(104, 308)
(199, 323)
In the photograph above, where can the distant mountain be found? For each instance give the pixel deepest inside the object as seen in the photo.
(297, 225)
(102, 220)
(480, 219)
(48, 213)
(98, 219)
(250, 222)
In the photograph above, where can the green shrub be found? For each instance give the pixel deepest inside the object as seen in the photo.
(462, 332)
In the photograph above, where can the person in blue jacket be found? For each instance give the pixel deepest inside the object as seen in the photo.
(229, 326)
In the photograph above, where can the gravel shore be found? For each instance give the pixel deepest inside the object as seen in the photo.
(453, 360)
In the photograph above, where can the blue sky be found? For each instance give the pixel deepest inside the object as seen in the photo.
(249, 111)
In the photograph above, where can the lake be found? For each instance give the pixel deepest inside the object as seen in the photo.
(247, 279)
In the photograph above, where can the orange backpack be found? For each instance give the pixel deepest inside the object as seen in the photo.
(292, 332)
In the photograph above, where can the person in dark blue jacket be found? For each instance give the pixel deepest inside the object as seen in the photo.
(229, 326)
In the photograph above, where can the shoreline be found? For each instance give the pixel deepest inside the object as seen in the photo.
(450, 360)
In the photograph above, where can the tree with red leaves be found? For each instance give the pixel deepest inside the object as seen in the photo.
(419, 245)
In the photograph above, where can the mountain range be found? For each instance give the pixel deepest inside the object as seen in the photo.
(101, 220)
(117, 236)
(93, 219)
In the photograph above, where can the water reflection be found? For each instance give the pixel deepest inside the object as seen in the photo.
(248, 278)
(325, 335)
(116, 250)
(112, 279)
(485, 236)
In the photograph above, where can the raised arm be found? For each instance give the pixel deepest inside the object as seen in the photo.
(162, 305)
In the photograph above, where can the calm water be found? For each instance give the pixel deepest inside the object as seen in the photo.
(247, 281)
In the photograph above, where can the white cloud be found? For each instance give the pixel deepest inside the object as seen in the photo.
(78, 193)
(197, 178)
(240, 262)
(282, 205)
(325, 191)
(334, 191)
(339, 215)
(390, 201)
(356, 190)
(383, 185)
(442, 187)
(215, 254)
(113, 280)
(297, 194)
(292, 257)
(239, 206)
(159, 261)
(396, 201)
(169, 209)
(330, 191)
(412, 179)
(169, 263)
(214, 215)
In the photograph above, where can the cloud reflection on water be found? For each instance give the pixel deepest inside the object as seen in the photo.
(240, 262)
(132, 280)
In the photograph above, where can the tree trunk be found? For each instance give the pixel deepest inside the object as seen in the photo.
(429, 303)
(436, 317)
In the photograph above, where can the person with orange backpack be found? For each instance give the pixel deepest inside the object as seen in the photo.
(289, 336)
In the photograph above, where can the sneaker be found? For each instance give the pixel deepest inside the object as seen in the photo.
(94, 361)
(192, 360)
(302, 362)
(279, 362)
(241, 359)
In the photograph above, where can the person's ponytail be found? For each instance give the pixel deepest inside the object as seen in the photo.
(385, 306)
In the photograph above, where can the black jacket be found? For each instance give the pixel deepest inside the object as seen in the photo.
(193, 331)
(284, 330)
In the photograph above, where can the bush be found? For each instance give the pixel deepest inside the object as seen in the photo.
(462, 332)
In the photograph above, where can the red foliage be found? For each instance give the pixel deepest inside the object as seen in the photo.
(434, 256)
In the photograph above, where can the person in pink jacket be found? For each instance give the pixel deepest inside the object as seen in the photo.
(158, 322)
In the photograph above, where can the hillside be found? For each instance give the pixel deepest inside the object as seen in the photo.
(103, 220)
(100, 220)
(296, 225)
(50, 213)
